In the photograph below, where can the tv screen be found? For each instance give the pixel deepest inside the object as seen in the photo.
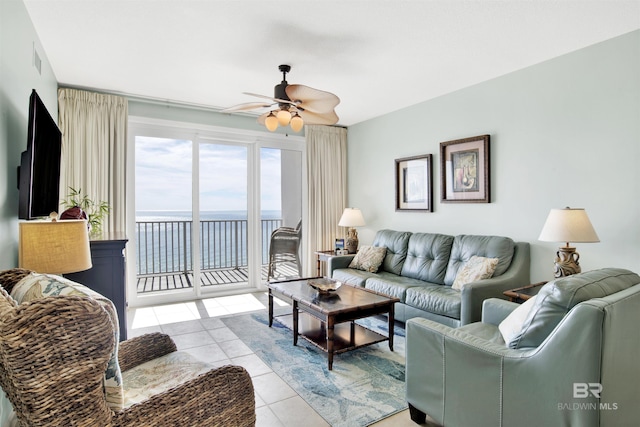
(39, 172)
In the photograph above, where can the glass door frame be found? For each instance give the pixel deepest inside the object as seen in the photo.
(197, 134)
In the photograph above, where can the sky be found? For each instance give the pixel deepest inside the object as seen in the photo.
(164, 173)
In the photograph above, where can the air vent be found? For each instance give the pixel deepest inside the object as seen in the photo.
(37, 62)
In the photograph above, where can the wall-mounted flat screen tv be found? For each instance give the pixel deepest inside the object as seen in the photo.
(39, 171)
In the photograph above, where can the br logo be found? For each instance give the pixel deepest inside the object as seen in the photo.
(583, 390)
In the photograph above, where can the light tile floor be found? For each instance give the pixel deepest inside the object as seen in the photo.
(196, 328)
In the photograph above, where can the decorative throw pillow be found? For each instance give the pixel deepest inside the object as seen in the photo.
(36, 286)
(369, 258)
(477, 268)
(511, 326)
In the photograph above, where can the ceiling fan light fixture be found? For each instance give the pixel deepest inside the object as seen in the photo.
(271, 122)
(293, 105)
(284, 117)
(296, 123)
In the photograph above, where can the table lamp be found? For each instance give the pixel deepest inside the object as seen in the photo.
(55, 247)
(568, 225)
(351, 217)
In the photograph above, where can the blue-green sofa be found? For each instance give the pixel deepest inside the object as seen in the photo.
(419, 269)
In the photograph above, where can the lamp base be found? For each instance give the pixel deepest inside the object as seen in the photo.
(351, 243)
(566, 262)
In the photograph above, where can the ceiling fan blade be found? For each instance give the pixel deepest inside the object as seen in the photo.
(248, 106)
(310, 99)
(262, 117)
(311, 118)
(281, 101)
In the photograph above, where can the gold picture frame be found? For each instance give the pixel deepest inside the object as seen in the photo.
(464, 168)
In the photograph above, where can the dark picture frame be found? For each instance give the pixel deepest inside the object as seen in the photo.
(464, 168)
(414, 184)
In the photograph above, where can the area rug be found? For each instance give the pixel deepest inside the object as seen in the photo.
(365, 385)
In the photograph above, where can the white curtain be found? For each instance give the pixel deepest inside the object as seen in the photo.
(94, 133)
(327, 177)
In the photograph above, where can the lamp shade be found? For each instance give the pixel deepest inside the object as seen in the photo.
(351, 217)
(284, 117)
(568, 225)
(296, 123)
(56, 247)
(271, 122)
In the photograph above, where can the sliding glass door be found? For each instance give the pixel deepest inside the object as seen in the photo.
(224, 237)
(281, 202)
(206, 203)
(163, 215)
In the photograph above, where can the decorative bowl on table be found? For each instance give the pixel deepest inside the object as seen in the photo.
(324, 286)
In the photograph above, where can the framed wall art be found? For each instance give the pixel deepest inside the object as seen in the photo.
(465, 170)
(414, 184)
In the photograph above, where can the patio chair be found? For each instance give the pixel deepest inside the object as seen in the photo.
(284, 247)
(61, 365)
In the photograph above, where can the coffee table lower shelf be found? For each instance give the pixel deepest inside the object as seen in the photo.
(346, 336)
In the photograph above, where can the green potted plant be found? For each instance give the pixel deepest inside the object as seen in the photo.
(95, 212)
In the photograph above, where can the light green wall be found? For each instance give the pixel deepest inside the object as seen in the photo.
(18, 77)
(565, 132)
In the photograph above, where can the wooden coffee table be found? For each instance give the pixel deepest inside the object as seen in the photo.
(328, 321)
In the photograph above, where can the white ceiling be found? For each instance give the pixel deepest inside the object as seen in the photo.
(377, 55)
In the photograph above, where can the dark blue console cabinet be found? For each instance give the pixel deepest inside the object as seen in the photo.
(108, 274)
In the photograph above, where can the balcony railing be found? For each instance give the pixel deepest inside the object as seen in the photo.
(164, 247)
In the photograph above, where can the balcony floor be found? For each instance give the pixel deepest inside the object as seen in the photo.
(227, 276)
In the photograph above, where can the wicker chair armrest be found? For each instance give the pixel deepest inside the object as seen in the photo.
(221, 397)
(10, 278)
(138, 350)
(285, 233)
(53, 356)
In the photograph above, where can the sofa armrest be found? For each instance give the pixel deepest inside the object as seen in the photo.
(440, 358)
(495, 310)
(486, 383)
(220, 397)
(473, 294)
(138, 350)
(338, 261)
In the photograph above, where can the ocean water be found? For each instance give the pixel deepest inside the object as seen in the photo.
(204, 216)
(164, 240)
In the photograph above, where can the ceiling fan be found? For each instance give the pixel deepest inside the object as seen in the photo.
(297, 105)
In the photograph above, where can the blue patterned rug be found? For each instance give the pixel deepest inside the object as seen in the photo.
(365, 385)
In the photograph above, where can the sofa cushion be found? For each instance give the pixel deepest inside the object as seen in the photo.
(392, 284)
(556, 298)
(477, 268)
(159, 375)
(36, 286)
(351, 276)
(396, 243)
(427, 257)
(466, 246)
(436, 299)
(368, 258)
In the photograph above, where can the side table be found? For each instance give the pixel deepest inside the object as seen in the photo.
(323, 256)
(522, 294)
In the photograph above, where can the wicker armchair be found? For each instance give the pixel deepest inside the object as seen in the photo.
(54, 352)
(284, 247)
